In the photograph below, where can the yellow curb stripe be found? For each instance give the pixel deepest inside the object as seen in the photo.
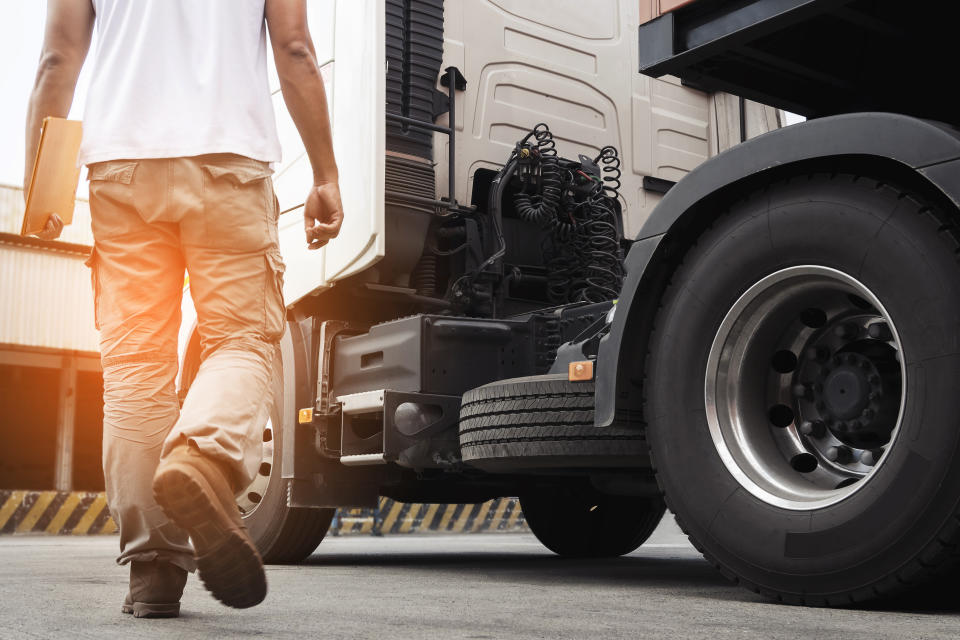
(481, 516)
(10, 506)
(498, 514)
(447, 515)
(462, 520)
(428, 518)
(43, 501)
(411, 517)
(88, 518)
(512, 520)
(392, 517)
(63, 513)
(109, 526)
(366, 527)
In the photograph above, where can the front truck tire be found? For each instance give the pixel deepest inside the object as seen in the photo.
(588, 524)
(546, 422)
(802, 391)
(282, 534)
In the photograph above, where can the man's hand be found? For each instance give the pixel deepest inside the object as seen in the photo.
(306, 99)
(51, 230)
(322, 214)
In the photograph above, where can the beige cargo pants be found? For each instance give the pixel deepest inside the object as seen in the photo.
(216, 217)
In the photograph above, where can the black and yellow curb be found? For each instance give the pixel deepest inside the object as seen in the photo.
(500, 515)
(54, 512)
(81, 513)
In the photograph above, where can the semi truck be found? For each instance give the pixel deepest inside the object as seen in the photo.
(583, 264)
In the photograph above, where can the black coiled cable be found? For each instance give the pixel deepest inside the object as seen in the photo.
(609, 162)
(584, 258)
(541, 208)
(604, 255)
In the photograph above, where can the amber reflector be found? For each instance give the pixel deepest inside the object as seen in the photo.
(580, 371)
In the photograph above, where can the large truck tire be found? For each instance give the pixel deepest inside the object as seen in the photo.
(587, 524)
(541, 422)
(801, 391)
(282, 534)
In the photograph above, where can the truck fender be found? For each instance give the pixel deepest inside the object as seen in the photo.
(927, 149)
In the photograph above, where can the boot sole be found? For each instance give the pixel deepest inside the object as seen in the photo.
(227, 560)
(148, 610)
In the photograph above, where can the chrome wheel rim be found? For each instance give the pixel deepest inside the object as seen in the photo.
(249, 500)
(805, 387)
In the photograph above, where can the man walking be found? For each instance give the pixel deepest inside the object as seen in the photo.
(179, 134)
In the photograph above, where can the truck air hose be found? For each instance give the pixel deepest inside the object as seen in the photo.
(603, 254)
(540, 208)
(424, 276)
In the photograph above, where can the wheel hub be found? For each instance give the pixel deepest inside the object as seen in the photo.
(846, 388)
(856, 393)
(804, 387)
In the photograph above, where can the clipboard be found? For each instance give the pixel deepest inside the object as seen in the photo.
(53, 184)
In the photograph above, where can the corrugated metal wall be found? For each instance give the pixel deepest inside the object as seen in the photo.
(45, 299)
(45, 294)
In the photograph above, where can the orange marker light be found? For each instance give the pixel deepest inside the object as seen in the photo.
(305, 416)
(580, 371)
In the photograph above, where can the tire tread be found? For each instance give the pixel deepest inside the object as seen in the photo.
(940, 556)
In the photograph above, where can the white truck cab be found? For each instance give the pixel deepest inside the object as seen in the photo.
(477, 243)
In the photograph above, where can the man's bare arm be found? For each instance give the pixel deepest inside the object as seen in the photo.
(306, 100)
(66, 41)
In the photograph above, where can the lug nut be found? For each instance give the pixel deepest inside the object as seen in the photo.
(874, 380)
(817, 354)
(804, 391)
(847, 331)
(880, 331)
(813, 428)
(842, 455)
(870, 457)
(868, 414)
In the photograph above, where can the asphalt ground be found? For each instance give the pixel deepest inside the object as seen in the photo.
(501, 586)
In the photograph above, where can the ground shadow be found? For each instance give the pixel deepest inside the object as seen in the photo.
(643, 571)
(683, 572)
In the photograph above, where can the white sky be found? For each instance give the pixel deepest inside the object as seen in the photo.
(21, 34)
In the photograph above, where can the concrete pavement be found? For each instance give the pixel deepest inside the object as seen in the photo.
(501, 586)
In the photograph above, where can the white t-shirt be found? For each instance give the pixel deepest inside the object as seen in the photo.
(179, 78)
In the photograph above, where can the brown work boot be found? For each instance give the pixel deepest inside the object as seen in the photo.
(193, 491)
(155, 589)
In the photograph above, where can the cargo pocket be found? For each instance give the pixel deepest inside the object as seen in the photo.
(238, 192)
(112, 171)
(92, 262)
(237, 175)
(274, 309)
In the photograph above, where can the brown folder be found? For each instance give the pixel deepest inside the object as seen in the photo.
(53, 185)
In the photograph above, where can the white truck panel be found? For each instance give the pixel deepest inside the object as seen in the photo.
(349, 38)
(573, 65)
